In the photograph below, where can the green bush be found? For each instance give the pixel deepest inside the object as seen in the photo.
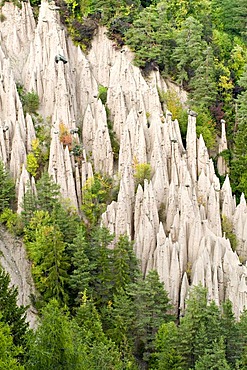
(12, 221)
(102, 93)
(7, 188)
(29, 100)
(227, 228)
(142, 172)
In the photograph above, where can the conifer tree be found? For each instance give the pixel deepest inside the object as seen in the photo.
(231, 333)
(46, 249)
(8, 351)
(151, 306)
(199, 327)
(167, 356)
(214, 358)
(188, 51)
(11, 314)
(48, 193)
(54, 344)
(7, 188)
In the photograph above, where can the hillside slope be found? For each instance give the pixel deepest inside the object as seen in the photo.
(175, 218)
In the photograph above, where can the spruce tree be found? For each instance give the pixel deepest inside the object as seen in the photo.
(151, 307)
(214, 358)
(54, 344)
(11, 314)
(167, 356)
(7, 188)
(8, 351)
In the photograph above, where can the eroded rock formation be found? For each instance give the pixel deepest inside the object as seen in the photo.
(175, 219)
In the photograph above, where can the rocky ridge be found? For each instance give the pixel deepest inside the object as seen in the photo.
(175, 218)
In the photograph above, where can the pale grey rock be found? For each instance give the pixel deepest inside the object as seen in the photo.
(15, 262)
(146, 227)
(203, 157)
(23, 185)
(172, 206)
(191, 142)
(175, 276)
(109, 217)
(175, 221)
(70, 182)
(160, 179)
(221, 163)
(125, 204)
(183, 293)
(31, 135)
(3, 149)
(162, 257)
(213, 212)
(227, 200)
(18, 153)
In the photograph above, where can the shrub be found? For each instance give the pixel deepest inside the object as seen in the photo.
(32, 164)
(30, 102)
(7, 189)
(174, 105)
(12, 221)
(142, 172)
(102, 93)
(227, 228)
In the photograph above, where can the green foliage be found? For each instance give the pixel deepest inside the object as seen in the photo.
(12, 220)
(37, 158)
(29, 100)
(32, 164)
(45, 246)
(8, 351)
(96, 194)
(11, 314)
(54, 345)
(7, 188)
(102, 93)
(174, 105)
(200, 326)
(167, 356)
(114, 141)
(48, 194)
(213, 359)
(100, 352)
(189, 48)
(205, 127)
(150, 35)
(151, 306)
(142, 172)
(227, 228)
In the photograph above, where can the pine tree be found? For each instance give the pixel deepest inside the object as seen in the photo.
(166, 353)
(48, 193)
(54, 344)
(8, 351)
(200, 326)
(99, 352)
(46, 249)
(124, 264)
(29, 206)
(7, 188)
(239, 163)
(214, 358)
(188, 51)
(151, 305)
(150, 35)
(11, 314)
(203, 84)
(231, 333)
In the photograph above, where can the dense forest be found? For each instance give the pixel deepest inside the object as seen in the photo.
(95, 309)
